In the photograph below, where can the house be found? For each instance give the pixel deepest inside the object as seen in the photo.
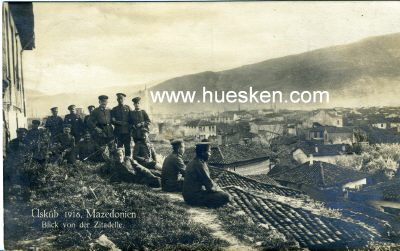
(199, 128)
(308, 150)
(18, 36)
(394, 123)
(321, 180)
(331, 134)
(323, 117)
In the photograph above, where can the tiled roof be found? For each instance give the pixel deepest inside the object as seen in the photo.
(389, 190)
(319, 174)
(226, 178)
(231, 154)
(199, 122)
(309, 147)
(309, 229)
(332, 129)
(263, 178)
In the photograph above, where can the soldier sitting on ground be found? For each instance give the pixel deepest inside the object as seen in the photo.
(38, 142)
(17, 154)
(127, 169)
(173, 168)
(88, 150)
(198, 187)
(143, 152)
(66, 145)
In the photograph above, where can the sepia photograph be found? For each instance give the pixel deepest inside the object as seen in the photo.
(201, 125)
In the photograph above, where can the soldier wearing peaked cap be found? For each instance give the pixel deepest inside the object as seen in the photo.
(129, 170)
(66, 145)
(17, 154)
(38, 142)
(120, 118)
(100, 123)
(86, 119)
(54, 123)
(173, 169)
(139, 120)
(198, 187)
(144, 152)
(77, 127)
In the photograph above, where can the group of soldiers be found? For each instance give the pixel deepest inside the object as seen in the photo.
(112, 130)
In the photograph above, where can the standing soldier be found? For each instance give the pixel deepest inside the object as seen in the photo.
(139, 120)
(120, 119)
(100, 123)
(173, 168)
(86, 119)
(198, 187)
(66, 145)
(75, 121)
(54, 123)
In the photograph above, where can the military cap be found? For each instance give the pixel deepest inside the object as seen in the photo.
(67, 125)
(35, 122)
(87, 133)
(21, 130)
(70, 107)
(204, 145)
(54, 108)
(91, 106)
(121, 94)
(176, 141)
(103, 97)
(136, 99)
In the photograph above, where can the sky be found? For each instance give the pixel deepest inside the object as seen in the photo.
(81, 47)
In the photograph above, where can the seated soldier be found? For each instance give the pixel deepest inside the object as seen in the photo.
(17, 154)
(173, 168)
(88, 150)
(129, 170)
(198, 187)
(143, 152)
(66, 145)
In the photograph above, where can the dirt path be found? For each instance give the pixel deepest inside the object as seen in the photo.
(210, 220)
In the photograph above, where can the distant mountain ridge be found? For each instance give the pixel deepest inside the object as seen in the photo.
(367, 71)
(364, 73)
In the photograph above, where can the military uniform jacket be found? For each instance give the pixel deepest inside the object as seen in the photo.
(86, 122)
(66, 141)
(120, 117)
(101, 118)
(37, 143)
(76, 124)
(173, 166)
(88, 148)
(55, 125)
(143, 152)
(197, 176)
(17, 146)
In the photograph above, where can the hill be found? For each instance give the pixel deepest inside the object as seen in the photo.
(361, 73)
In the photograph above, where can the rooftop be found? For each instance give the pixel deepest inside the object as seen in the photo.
(319, 174)
(22, 13)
